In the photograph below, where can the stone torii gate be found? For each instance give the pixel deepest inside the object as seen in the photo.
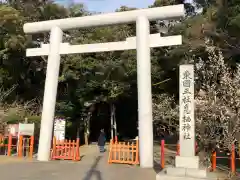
(142, 42)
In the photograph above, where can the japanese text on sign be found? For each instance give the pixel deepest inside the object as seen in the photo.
(186, 100)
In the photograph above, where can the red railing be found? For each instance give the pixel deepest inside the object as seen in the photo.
(25, 146)
(12, 144)
(162, 153)
(123, 152)
(232, 158)
(66, 150)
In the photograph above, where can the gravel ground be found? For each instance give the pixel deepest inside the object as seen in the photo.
(93, 166)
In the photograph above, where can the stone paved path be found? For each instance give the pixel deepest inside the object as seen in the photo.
(93, 166)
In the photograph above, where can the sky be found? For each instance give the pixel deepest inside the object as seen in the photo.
(110, 5)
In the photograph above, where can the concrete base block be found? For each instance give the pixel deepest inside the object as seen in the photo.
(210, 176)
(201, 173)
(172, 173)
(187, 162)
(175, 171)
(185, 172)
(167, 177)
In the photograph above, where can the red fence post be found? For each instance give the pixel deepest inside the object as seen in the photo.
(20, 146)
(9, 145)
(54, 148)
(214, 161)
(77, 149)
(162, 153)
(65, 153)
(233, 167)
(31, 147)
(178, 149)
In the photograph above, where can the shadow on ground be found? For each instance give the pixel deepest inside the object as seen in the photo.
(94, 171)
(157, 167)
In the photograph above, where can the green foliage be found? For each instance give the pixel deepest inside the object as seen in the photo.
(12, 118)
(87, 79)
(34, 119)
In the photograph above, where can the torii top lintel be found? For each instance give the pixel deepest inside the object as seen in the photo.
(159, 13)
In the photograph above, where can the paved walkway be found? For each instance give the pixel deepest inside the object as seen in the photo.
(93, 166)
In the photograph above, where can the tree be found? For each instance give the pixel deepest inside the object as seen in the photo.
(87, 79)
(165, 115)
(217, 101)
(190, 9)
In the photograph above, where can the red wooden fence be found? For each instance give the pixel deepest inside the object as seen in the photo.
(123, 152)
(66, 150)
(10, 144)
(232, 158)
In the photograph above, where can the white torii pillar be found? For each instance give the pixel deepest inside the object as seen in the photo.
(50, 94)
(145, 121)
(142, 43)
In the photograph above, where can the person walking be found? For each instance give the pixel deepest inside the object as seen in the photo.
(101, 141)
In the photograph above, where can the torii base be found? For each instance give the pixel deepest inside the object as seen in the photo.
(175, 173)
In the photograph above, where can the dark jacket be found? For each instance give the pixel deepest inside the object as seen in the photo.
(101, 139)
